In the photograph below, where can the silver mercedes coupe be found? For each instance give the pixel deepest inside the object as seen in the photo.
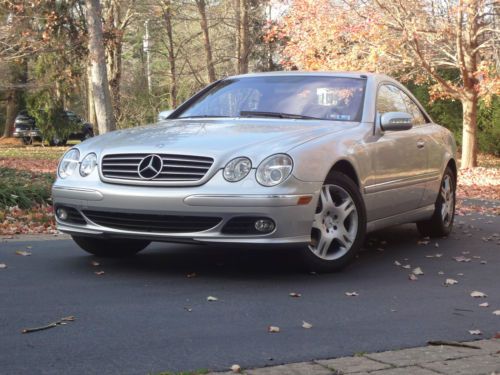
(309, 160)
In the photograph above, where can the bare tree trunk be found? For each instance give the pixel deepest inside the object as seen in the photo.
(18, 76)
(237, 7)
(114, 54)
(469, 136)
(208, 48)
(244, 45)
(100, 85)
(91, 117)
(167, 16)
(12, 110)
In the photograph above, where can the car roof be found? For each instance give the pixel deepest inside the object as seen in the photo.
(377, 76)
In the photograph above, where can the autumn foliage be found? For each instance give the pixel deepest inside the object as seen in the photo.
(421, 40)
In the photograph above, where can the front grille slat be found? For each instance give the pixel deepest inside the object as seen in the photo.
(183, 168)
(152, 222)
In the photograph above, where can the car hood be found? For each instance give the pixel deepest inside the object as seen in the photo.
(217, 138)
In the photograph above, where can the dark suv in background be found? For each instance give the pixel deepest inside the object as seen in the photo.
(25, 128)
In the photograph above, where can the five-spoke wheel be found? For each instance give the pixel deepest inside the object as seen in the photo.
(441, 222)
(339, 225)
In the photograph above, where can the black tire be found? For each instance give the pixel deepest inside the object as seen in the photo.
(440, 225)
(27, 141)
(108, 248)
(87, 135)
(56, 141)
(332, 222)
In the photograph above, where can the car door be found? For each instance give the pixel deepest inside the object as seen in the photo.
(399, 160)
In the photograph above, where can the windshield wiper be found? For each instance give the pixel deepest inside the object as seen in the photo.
(276, 114)
(201, 116)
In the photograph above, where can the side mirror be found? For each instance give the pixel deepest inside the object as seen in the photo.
(396, 121)
(163, 115)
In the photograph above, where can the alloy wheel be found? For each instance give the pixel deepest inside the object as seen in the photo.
(448, 197)
(335, 223)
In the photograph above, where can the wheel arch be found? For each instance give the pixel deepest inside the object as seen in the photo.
(452, 164)
(345, 167)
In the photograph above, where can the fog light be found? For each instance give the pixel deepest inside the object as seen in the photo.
(62, 214)
(264, 225)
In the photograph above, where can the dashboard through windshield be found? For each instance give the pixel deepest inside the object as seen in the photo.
(296, 97)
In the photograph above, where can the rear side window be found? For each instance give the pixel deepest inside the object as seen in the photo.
(390, 100)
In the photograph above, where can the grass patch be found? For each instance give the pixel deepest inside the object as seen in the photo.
(24, 188)
(32, 152)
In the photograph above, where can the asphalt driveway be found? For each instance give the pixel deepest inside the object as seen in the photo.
(145, 315)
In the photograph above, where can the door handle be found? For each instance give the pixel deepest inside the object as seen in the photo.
(420, 144)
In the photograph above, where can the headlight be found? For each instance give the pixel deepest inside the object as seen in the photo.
(88, 164)
(237, 169)
(274, 170)
(68, 163)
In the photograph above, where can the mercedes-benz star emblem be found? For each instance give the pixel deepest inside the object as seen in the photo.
(150, 167)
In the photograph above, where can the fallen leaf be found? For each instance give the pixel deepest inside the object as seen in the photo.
(191, 275)
(273, 329)
(236, 369)
(188, 309)
(462, 259)
(439, 255)
(412, 277)
(436, 245)
(484, 304)
(396, 263)
(450, 282)
(2, 266)
(460, 274)
(99, 273)
(483, 262)
(212, 299)
(418, 271)
(440, 273)
(351, 294)
(465, 252)
(477, 294)
(496, 312)
(475, 332)
(295, 295)
(306, 325)
(406, 266)
(23, 253)
(95, 263)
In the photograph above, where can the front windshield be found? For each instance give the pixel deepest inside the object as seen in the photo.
(308, 97)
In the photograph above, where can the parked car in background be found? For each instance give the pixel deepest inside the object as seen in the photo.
(313, 160)
(26, 129)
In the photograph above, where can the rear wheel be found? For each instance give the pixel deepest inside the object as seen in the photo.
(339, 225)
(110, 247)
(27, 140)
(441, 222)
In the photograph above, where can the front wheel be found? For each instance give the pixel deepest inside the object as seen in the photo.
(110, 247)
(441, 222)
(339, 225)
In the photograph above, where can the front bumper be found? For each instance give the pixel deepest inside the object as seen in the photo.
(215, 198)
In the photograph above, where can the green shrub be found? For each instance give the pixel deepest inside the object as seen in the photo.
(24, 188)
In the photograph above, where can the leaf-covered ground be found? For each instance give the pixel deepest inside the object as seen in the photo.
(26, 175)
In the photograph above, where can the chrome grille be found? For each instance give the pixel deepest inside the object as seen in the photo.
(175, 167)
